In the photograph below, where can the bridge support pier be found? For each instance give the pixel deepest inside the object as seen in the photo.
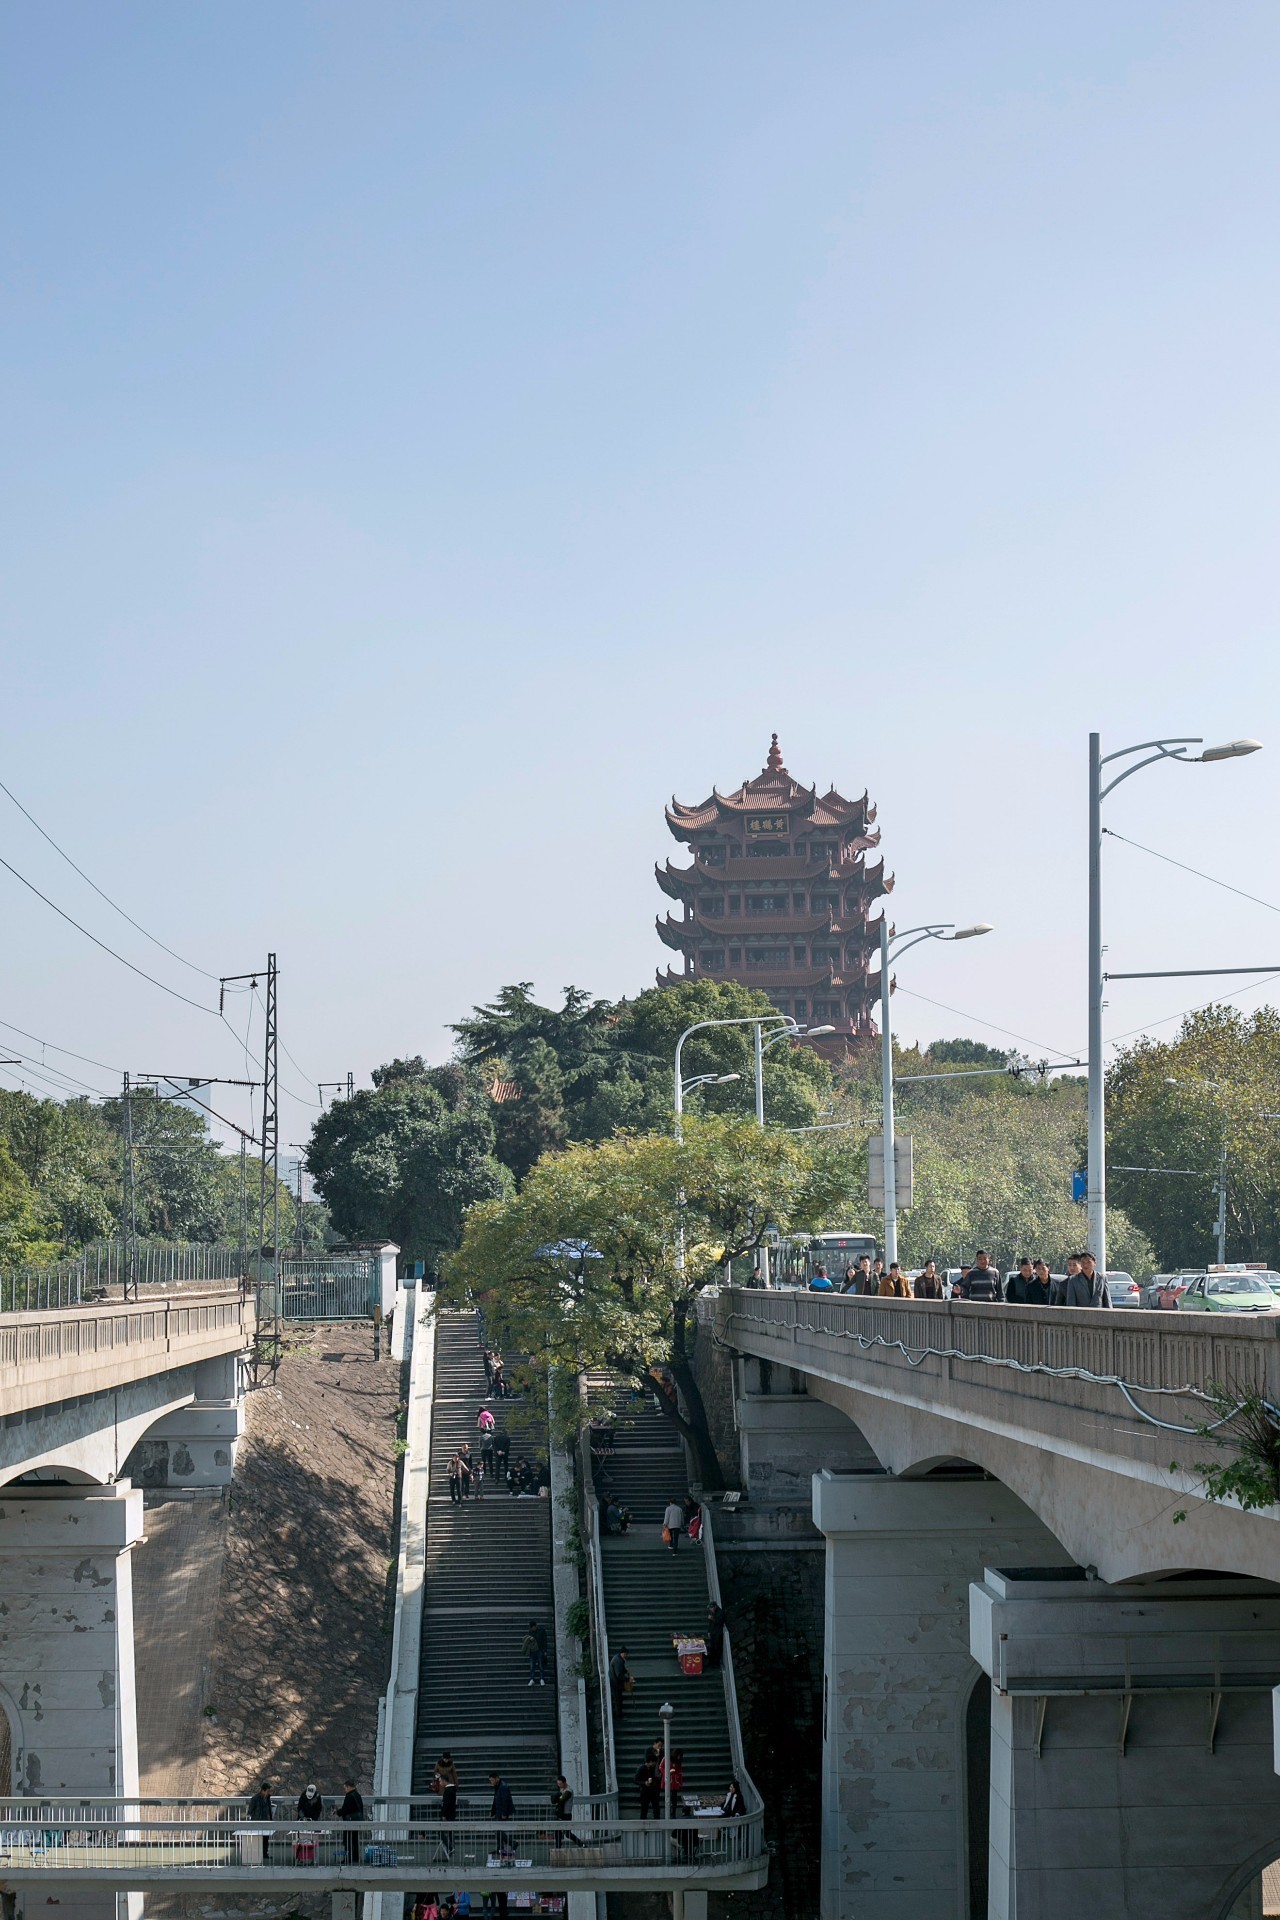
(903, 1838)
(66, 1651)
(1131, 1757)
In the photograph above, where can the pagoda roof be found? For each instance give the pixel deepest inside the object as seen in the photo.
(773, 787)
(679, 882)
(777, 982)
(765, 926)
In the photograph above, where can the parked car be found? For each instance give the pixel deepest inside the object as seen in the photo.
(1227, 1292)
(1123, 1290)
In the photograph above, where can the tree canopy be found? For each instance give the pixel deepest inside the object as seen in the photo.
(597, 1260)
(403, 1160)
(1176, 1104)
(589, 1068)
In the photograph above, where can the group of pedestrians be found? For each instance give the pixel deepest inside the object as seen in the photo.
(1032, 1284)
(681, 1517)
(502, 1807)
(349, 1812)
(468, 1474)
(499, 1387)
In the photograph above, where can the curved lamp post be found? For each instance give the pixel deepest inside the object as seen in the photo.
(1168, 749)
(892, 947)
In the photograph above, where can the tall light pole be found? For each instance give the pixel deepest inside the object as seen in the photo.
(786, 1028)
(892, 947)
(1172, 748)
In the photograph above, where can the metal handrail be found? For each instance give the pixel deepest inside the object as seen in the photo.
(595, 1602)
(750, 1792)
(699, 1845)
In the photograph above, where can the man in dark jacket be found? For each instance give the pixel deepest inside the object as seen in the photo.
(715, 1635)
(1038, 1286)
(260, 1809)
(351, 1810)
(928, 1282)
(1093, 1280)
(1015, 1287)
(504, 1806)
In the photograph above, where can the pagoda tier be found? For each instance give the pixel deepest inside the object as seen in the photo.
(779, 870)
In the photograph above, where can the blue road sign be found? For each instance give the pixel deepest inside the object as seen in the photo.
(1079, 1187)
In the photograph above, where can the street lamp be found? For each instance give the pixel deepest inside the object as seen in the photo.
(936, 930)
(708, 1080)
(1169, 749)
(665, 1712)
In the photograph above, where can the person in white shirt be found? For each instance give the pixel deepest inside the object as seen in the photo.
(672, 1522)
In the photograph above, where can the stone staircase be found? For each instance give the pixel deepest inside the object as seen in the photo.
(649, 1594)
(488, 1573)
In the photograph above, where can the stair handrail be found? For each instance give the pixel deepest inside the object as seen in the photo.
(751, 1794)
(595, 1603)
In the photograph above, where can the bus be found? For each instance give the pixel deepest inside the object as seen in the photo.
(799, 1256)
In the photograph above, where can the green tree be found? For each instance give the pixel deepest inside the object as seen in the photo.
(405, 1159)
(23, 1241)
(642, 1223)
(590, 1068)
(71, 1158)
(1177, 1104)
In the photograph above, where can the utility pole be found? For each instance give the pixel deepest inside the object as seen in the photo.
(1222, 1206)
(130, 1199)
(268, 1215)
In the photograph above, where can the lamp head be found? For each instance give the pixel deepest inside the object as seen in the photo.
(971, 933)
(723, 1079)
(810, 1031)
(1232, 750)
(666, 1710)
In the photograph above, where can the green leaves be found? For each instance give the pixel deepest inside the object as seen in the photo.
(405, 1159)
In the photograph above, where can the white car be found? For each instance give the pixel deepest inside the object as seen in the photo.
(1123, 1290)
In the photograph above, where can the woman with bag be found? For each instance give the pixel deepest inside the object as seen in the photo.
(672, 1521)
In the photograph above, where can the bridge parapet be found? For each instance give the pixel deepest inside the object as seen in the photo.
(86, 1349)
(1114, 1389)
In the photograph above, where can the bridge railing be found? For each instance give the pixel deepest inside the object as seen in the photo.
(1032, 1350)
(106, 1263)
(39, 1347)
(55, 1839)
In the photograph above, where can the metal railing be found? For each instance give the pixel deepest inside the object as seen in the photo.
(61, 1841)
(105, 1264)
(750, 1792)
(595, 1603)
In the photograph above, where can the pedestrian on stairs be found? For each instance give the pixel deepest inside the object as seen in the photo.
(455, 1480)
(619, 1680)
(650, 1789)
(352, 1811)
(465, 1462)
(672, 1521)
(715, 1634)
(486, 1424)
(535, 1645)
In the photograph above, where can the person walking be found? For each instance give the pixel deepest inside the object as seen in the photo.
(1039, 1287)
(672, 1521)
(351, 1812)
(677, 1774)
(877, 1274)
(820, 1282)
(260, 1808)
(535, 1645)
(1015, 1287)
(928, 1282)
(619, 1680)
(455, 1480)
(850, 1284)
(650, 1789)
(982, 1281)
(503, 1808)
(863, 1282)
(501, 1451)
(445, 1782)
(310, 1805)
(562, 1805)
(893, 1283)
(715, 1635)
(1093, 1280)
(733, 1804)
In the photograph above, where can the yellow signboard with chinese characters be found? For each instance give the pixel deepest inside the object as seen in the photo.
(761, 826)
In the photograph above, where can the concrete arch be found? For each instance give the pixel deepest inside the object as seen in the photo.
(1245, 1878)
(1121, 1524)
(53, 1473)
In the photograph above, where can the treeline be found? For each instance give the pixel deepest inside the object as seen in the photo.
(62, 1179)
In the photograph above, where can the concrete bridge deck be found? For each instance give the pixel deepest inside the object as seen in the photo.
(1082, 1413)
(71, 1351)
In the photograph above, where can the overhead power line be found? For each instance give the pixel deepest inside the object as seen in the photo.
(113, 904)
(1212, 878)
(88, 1059)
(963, 1015)
(141, 972)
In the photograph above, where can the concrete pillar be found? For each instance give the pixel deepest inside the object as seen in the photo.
(1131, 1752)
(898, 1674)
(66, 1650)
(193, 1447)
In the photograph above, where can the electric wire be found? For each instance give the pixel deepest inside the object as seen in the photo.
(301, 1098)
(140, 971)
(114, 904)
(1210, 877)
(1065, 1052)
(1185, 1013)
(915, 1355)
(87, 1058)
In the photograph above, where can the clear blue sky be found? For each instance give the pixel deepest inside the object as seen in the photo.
(435, 434)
